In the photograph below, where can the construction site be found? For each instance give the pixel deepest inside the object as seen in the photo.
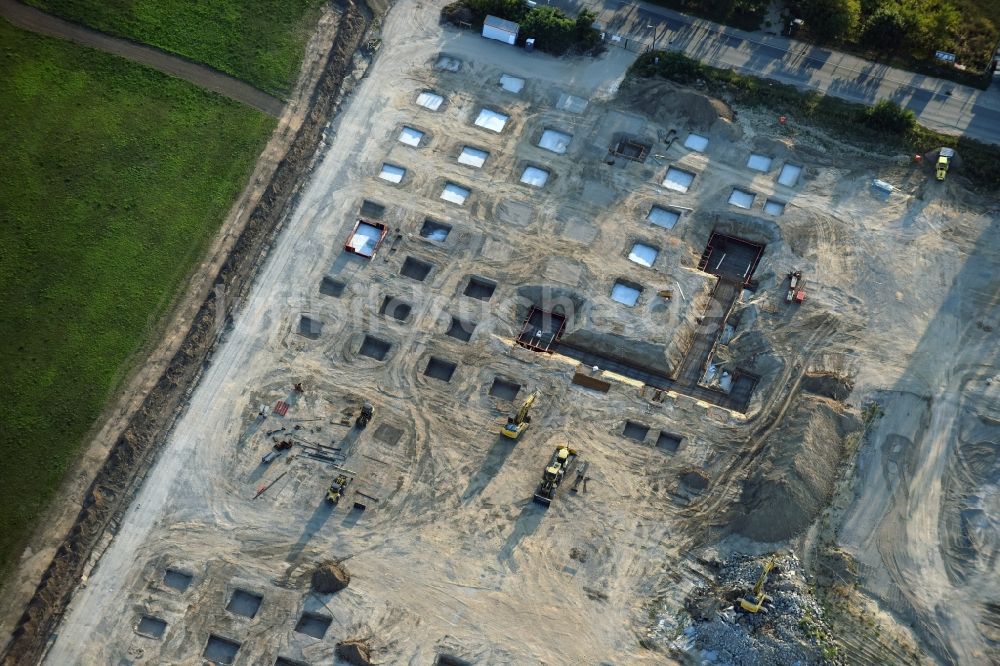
(550, 365)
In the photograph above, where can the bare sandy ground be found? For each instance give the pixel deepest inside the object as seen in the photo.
(449, 556)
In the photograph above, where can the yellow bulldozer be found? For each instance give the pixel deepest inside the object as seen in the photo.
(518, 423)
(562, 459)
(755, 603)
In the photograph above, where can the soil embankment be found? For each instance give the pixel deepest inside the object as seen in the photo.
(794, 480)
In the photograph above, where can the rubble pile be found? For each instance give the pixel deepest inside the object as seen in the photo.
(790, 630)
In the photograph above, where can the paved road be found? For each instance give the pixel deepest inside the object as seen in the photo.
(969, 111)
(205, 77)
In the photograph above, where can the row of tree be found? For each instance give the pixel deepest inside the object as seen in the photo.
(554, 32)
(884, 25)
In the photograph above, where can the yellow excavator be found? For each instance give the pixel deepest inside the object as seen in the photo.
(519, 423)
(757, 597)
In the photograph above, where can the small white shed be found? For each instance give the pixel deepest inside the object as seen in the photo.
(500, 29)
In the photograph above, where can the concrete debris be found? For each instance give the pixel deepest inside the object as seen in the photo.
(791, 630)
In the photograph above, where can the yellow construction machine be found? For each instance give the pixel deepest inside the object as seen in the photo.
(757, 597)
(945, 156)
(338, 488)
(554, 473)
(519, 423)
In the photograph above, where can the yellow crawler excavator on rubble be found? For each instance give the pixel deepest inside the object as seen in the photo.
(518, 423)
(757, 597)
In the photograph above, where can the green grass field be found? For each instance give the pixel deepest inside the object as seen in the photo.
(259, 41)
(115, 178)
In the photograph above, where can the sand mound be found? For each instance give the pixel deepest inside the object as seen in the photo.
(664, 102)
(329, 578)
(355, 651)
(828, 385)
(794, 480)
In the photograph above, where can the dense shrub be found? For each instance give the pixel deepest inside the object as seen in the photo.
(887, 116)
(670, 65)
(829, 20)
(905, 32)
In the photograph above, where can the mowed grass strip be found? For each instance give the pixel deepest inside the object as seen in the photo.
(115, 179)
(258, 41)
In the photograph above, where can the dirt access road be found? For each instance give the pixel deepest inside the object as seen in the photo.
(924, 521)
(35, 20)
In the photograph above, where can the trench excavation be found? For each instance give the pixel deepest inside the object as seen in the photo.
(733, 261)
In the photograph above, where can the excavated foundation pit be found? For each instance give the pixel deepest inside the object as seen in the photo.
(177, 580)
(460, 329)
(430, 100)
(151, 627)
(504, 389)
(455, 193)
(415, 269)
(313, 625)
(330, 287)
(774, 207)
(696, 142)
(626, 292)
(392, 173)
(512, 84)
(663, 217)
(694, 481)
(219, 650)
(244, 603)
(282, 661)
(636, 431)
(438, 368)
(372, 209)
(630, 149)
(411, 136)
(731, 257)
(395, 308)
(310, 327)
(668, 442)
(480, 288)
(375, 348)
(473, 157)
(541, 330)
(555, 141)
(491, 120)
(534, 176)
(434, 230)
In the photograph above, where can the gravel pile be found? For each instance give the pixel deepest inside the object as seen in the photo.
(790, 632)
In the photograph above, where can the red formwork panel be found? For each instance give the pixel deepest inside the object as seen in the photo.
(365, 238)
(541, 330)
